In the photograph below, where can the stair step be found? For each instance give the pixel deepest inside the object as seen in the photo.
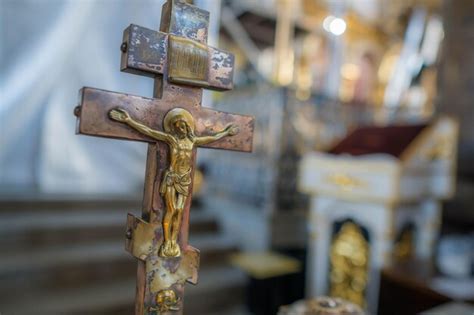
(61, 203)
(67, 257)
(72, 300)
(68, 266)
(218, 288)
(50, 257)
(232, 310)
(63, 207)
(33, 229)
(29, 230)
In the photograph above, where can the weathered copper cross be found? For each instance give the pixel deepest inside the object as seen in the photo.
(174, 124)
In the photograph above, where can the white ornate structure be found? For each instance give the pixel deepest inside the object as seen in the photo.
(375, 198)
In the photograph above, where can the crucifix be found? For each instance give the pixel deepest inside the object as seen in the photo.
(174, 124)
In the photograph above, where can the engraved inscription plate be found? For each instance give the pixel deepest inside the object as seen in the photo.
(188, 61)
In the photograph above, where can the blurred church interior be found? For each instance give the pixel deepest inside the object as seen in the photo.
(360, 184)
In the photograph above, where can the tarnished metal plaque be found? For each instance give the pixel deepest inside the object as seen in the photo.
(188, 61)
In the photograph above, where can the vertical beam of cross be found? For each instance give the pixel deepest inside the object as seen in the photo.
(181, 63)
(188, 22)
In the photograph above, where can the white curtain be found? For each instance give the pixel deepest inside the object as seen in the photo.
(48, 50)
(64, 46)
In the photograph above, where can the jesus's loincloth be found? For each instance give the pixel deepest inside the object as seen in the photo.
(180, 182)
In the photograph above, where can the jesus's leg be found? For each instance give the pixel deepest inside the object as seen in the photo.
(167, 222)
(178, 217)
(175, 229)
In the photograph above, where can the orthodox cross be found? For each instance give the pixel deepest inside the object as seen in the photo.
(174, 124)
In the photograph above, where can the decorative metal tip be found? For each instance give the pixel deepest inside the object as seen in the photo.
(77, 111)
(128, 234)
(123, 47)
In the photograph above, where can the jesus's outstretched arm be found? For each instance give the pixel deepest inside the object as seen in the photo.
(122, 116)
(230, 130)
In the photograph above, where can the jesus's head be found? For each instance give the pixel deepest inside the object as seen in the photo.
(180, 122)
(182, 129)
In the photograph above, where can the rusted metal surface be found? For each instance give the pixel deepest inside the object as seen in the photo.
(94, 120)
(185, 20)
(160, 280)
(161, 274)
(142, 234)
(146, 54)
(222, 69)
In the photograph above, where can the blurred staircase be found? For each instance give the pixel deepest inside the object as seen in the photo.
(63, 257)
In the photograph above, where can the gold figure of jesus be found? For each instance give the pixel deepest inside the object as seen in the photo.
(178, 125)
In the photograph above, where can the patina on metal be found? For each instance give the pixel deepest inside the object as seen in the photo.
(173, 123)
(188, 61)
